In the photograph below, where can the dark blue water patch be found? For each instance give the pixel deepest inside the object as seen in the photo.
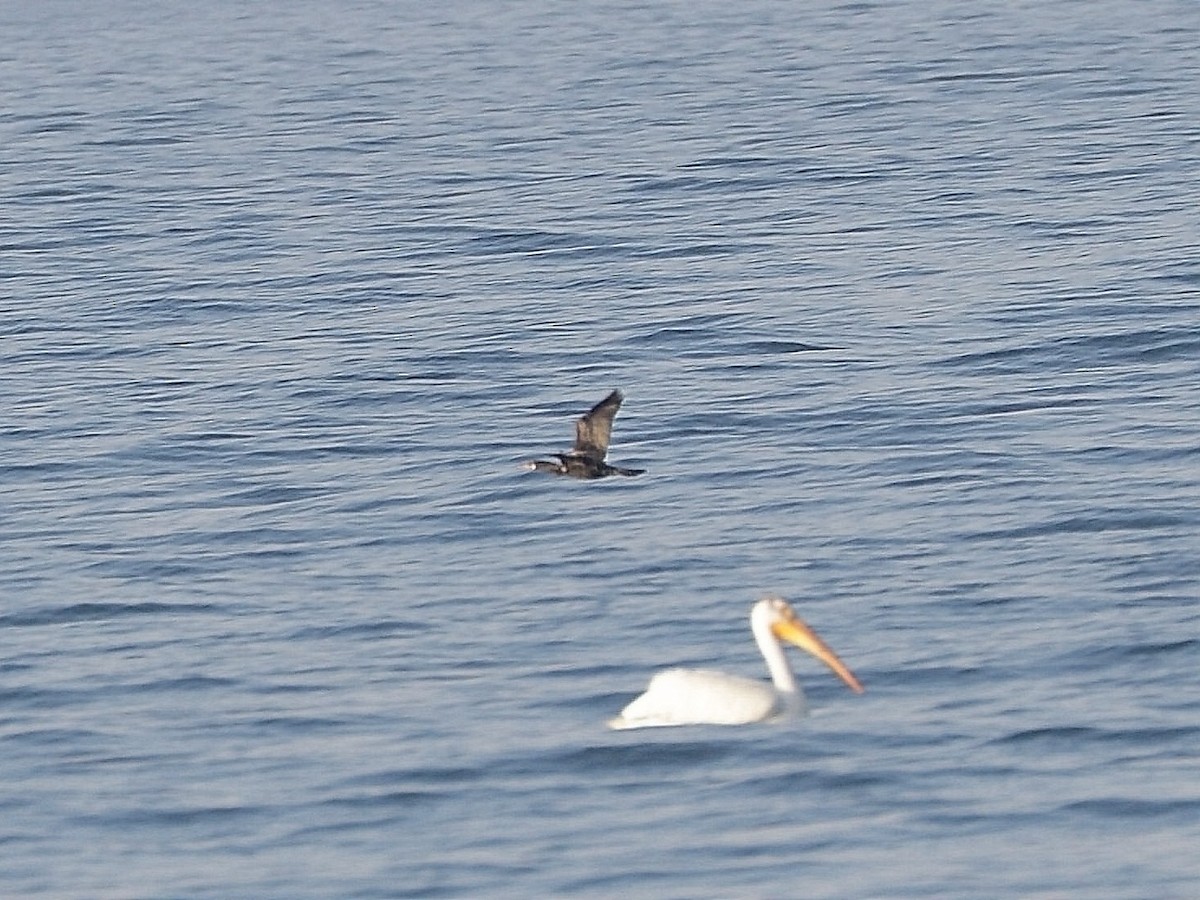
(575, 671)
(1085, 524)
(734, 162)
(431, 775)
(297, 724)
(405, 800)
(946, 467)
(1149, 345)
(781, 347)
(1054, 735)
(156, 571)
(39, 471)
(1002, 360)
(1188, 646)
(272, 495)
(259, 542)
(1050, 399)
(190, 447)
(382, 628)
(694, 339)
(933, 675)
(566, 245)
(806, 782)
(79, 761)
(49, 121)
(1178, 589)
(1140, 454)
(720, 181)
(41, 699)
(977, 594)
(36, 698)
(416, 888)
(271, 689)
(93, 612)
(1118, 653)
(1188, 275)
(966, 818)
(1070, 737)
(701, 249)
(1075, 351)
(183, 683)
(645, 754)
(70, 738)
(136, 139)
(171, 817)
(14, 806)
(1124, 809)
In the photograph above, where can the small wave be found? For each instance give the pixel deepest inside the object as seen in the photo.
(1125, 808)
(1076, 734)
(1087, 524)
(644, 754)
(91, 612)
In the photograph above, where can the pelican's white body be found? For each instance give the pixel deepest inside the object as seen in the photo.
(704, 696)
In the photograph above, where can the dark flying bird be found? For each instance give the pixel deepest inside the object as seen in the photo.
(586, 458)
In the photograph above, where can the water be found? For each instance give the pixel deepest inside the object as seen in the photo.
(904, 299)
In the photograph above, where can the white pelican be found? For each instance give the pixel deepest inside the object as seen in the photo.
(704, 697)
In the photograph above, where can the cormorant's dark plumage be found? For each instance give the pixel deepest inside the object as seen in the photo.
(592, 433)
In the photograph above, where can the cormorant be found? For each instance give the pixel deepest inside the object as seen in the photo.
(586, 458)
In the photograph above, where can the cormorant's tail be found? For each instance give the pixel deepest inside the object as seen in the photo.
(619, 471)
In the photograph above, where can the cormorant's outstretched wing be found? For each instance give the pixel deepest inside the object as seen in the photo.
(593, 430)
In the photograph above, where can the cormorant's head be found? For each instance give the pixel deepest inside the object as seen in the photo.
(544, 465)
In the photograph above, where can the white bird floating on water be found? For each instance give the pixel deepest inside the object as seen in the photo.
(705, 697)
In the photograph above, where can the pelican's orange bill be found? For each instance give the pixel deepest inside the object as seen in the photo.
(798, 633)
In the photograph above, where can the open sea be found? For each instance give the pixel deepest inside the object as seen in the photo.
(905, 301)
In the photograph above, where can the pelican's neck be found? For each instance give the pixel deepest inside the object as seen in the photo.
(772, 651)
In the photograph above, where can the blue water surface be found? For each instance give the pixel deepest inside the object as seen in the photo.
(905, 302)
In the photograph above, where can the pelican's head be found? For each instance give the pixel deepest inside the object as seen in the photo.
(776, 614)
